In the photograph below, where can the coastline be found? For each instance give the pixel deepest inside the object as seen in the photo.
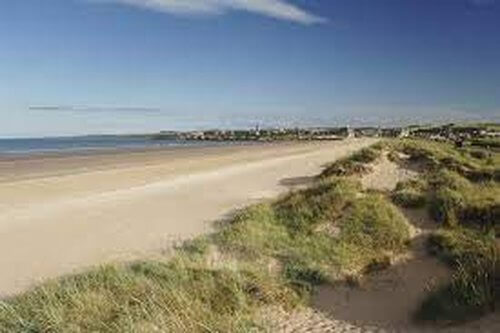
(26, 166)
(62, 214)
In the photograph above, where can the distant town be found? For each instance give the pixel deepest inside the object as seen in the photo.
(450, 132)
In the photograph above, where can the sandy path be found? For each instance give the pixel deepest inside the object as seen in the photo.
(51, 223)
(388, 299)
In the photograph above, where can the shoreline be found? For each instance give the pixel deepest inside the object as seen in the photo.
(36, 165)
(95, 151)
(62, 215)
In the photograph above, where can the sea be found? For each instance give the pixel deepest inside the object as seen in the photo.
(83, 144)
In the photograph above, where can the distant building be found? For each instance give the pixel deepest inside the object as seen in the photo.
(371, 132)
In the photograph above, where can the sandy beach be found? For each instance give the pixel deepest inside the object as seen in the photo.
(60, 214)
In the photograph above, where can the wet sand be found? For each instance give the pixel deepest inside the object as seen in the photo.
(60, 214)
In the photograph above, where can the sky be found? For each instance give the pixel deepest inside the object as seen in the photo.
(70, 67)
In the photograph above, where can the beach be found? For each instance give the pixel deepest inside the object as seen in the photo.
(63, 213)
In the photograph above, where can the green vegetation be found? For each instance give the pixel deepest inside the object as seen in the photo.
(410, 194)
(180, 295)
(355, 164)
(458, 201)
(304, 233)
(493, 143)
(462, 193)
(435, 155)
(473, 290)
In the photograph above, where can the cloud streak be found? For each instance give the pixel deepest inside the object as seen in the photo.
(278, 9)
(80, 108)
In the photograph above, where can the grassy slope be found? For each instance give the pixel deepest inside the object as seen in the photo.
(269, 254)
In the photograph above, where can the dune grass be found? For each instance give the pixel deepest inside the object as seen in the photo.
(411, 193)
(482, 165)
(305, 233)
(179, 295)
(455, 200)
(473, 290)
(458, 188)
(462, 194)
(355, 164)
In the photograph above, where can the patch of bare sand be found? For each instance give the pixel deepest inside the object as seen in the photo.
(386, 174)
(307, 320)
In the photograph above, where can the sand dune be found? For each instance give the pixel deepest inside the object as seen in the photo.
(61, 214)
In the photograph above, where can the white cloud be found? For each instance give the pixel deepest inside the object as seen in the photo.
(279, 9)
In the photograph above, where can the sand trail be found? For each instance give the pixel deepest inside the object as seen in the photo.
(387, 299)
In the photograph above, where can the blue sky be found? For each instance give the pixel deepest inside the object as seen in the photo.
(114, 66)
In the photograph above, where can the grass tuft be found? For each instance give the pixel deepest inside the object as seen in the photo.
(355, 164)
(474, 288)
(410, 194)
